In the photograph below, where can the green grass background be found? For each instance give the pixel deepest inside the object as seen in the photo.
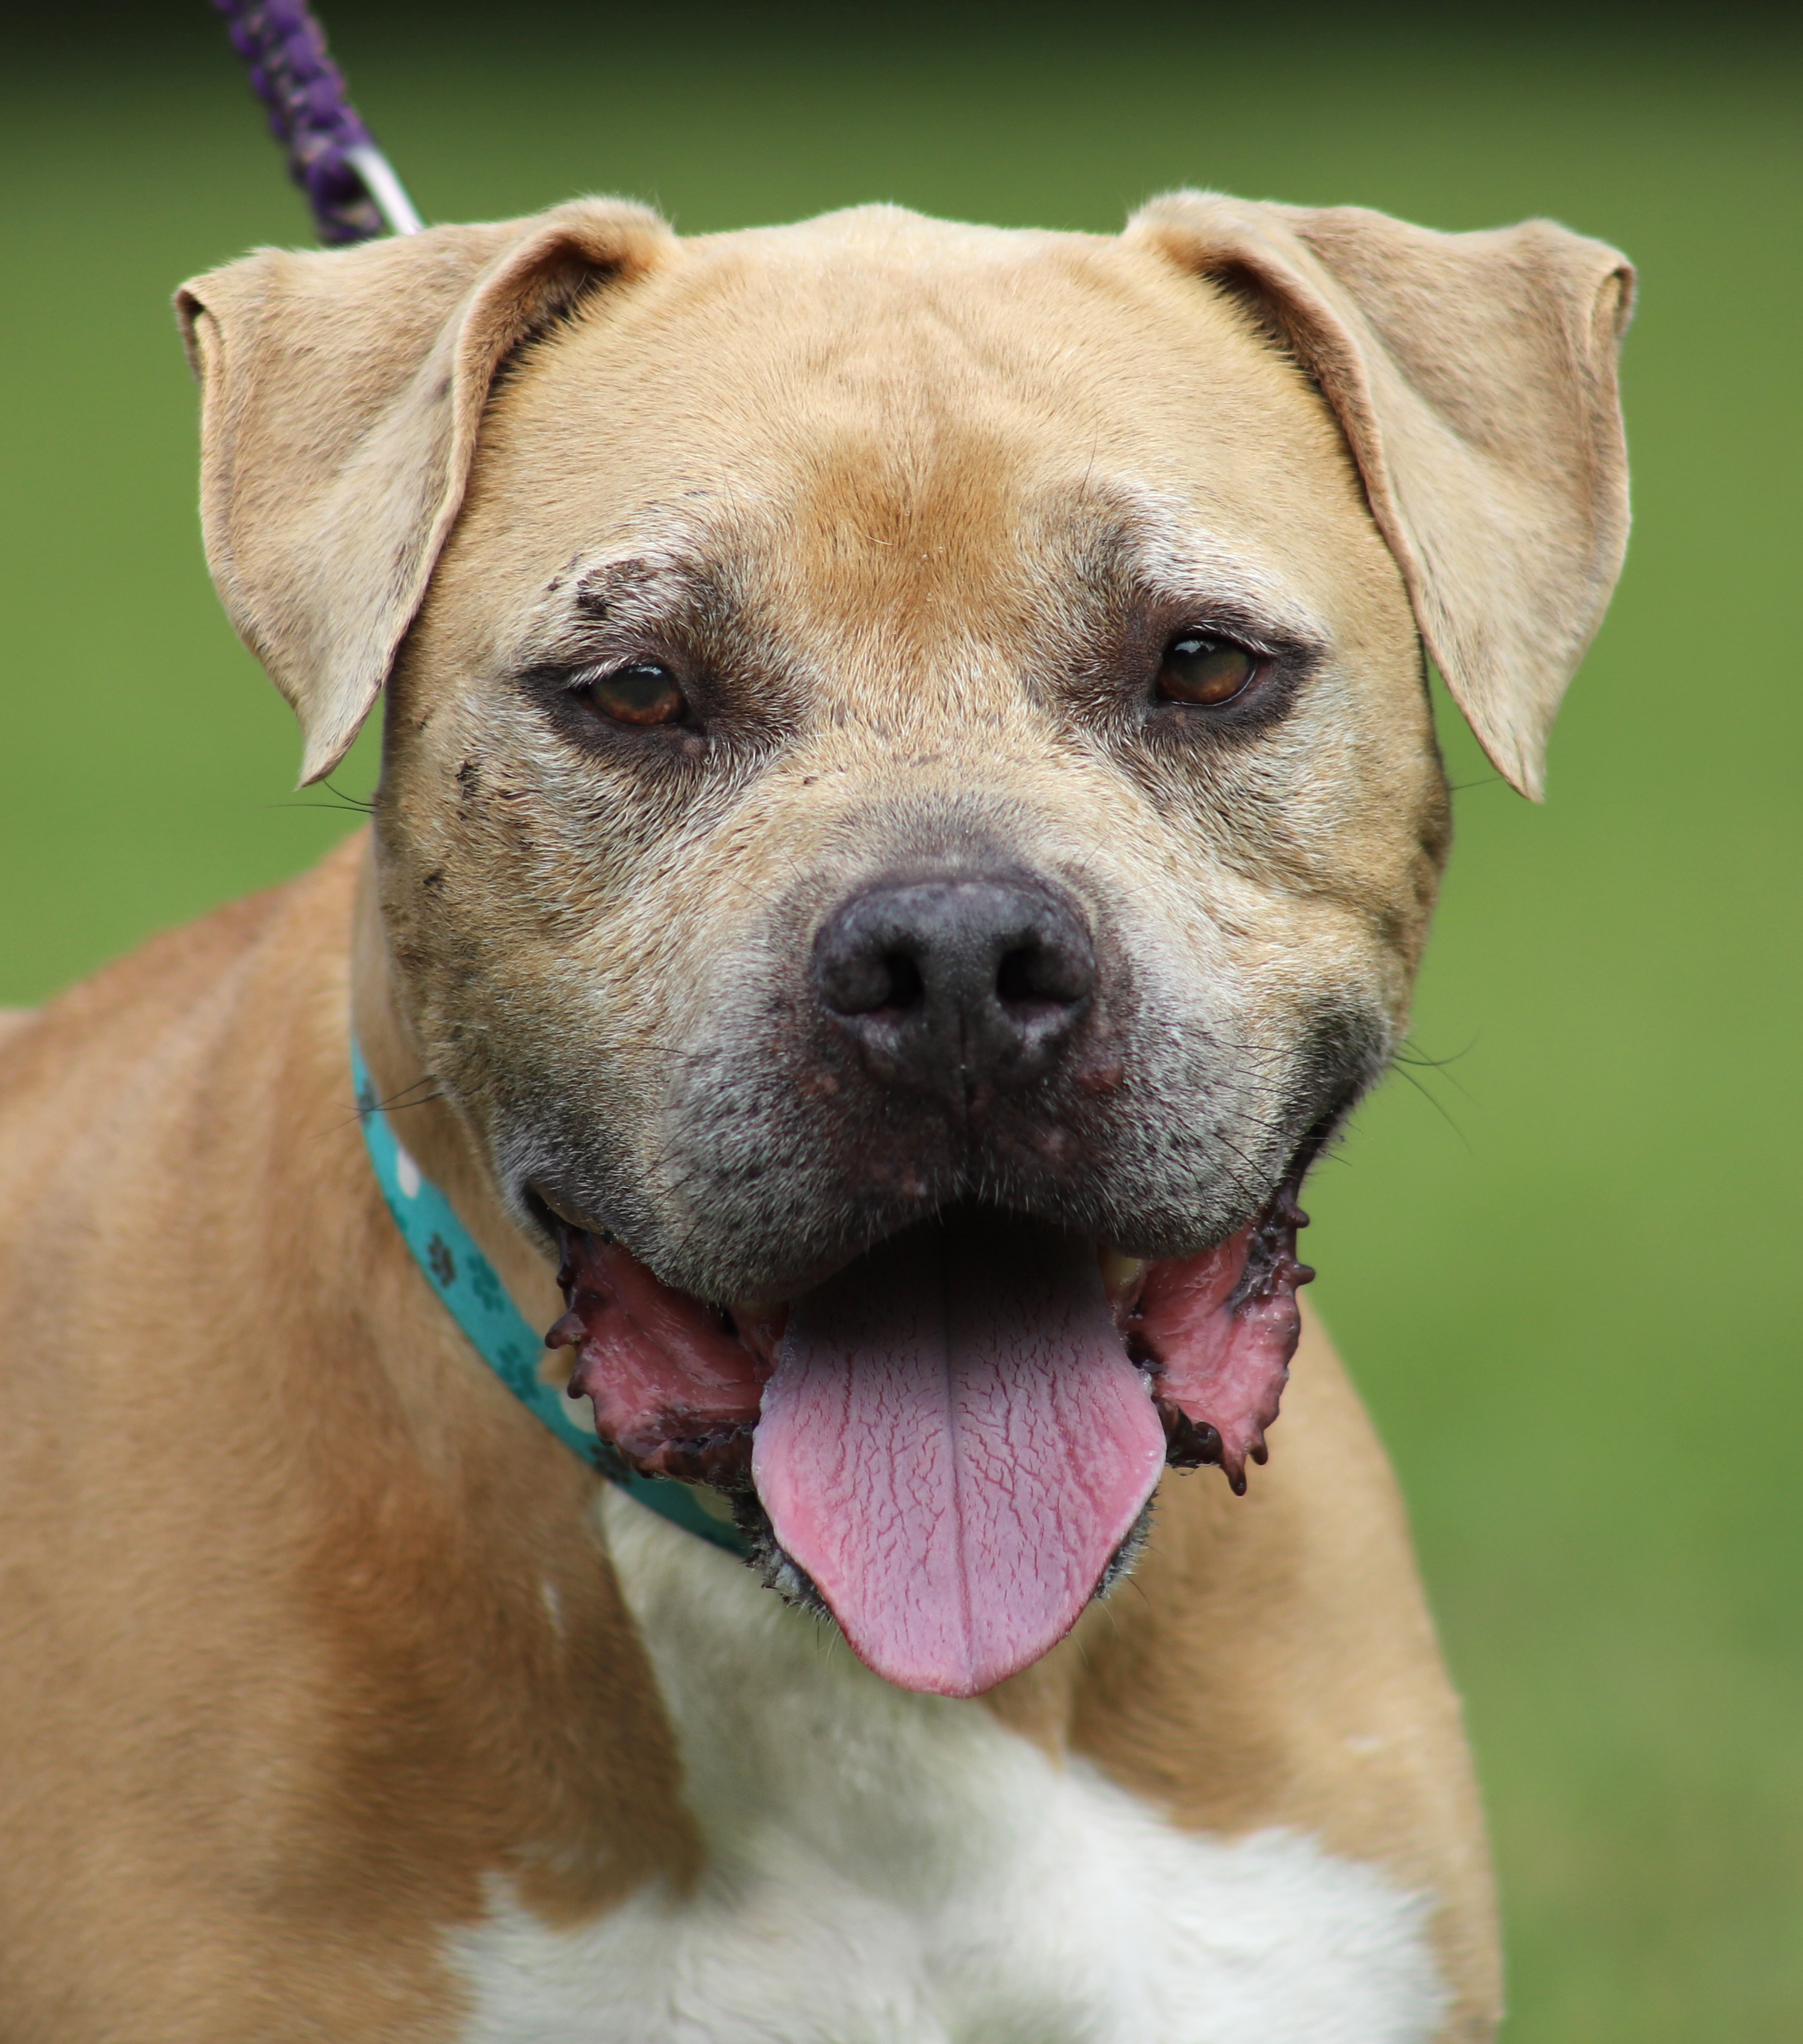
(1562, 1262)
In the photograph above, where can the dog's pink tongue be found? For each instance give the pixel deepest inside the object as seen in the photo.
(953, 1445)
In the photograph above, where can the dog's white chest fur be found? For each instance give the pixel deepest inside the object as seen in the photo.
(888, 1869)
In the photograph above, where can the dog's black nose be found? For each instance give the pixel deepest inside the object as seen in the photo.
(957, 987)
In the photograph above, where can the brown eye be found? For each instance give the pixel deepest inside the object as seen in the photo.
(1199, 669)
(643, 694)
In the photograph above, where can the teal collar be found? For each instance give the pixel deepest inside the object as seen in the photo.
(498, 1331)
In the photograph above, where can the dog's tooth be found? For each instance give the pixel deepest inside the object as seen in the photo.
(1119, 1271)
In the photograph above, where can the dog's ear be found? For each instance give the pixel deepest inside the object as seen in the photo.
(341, 396)
(1474, 376)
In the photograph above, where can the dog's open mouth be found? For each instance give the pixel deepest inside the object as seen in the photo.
(953, 1441)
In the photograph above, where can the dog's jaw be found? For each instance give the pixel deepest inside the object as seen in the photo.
(951, 1444)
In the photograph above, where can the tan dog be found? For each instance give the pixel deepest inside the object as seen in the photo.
(909, 812)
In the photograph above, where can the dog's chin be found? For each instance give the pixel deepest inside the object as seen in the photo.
(950, 1444)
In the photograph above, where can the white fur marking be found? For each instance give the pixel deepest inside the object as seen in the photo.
(887, 1868)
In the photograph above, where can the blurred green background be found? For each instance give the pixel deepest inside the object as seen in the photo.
(1559, 1260)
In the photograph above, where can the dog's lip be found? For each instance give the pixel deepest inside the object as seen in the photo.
(597, 1271)
(686, 1439)
(555, 1213)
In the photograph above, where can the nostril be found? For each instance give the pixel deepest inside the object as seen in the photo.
(1017, 976)
(868, 982)
(1040, 975)
(906, 988)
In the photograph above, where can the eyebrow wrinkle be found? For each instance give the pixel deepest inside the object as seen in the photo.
(1153, 545)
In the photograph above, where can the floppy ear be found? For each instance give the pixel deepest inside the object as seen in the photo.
(342, 392)
(1474, 376)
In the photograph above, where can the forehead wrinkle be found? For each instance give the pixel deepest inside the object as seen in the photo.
(909, 533)
(662, 564)
(899, 421)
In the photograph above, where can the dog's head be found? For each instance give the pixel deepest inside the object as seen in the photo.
(909, 810)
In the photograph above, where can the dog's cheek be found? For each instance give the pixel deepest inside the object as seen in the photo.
(1268, 992)
(1332, 880)
(502, 874)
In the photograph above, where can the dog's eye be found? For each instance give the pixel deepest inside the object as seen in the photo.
(1197, 669)
(643, 694)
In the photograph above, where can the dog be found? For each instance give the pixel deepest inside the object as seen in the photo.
(908, 816)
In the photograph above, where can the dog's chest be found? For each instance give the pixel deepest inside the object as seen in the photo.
(887, 1868)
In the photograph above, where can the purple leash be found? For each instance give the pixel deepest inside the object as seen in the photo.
(354, 192)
